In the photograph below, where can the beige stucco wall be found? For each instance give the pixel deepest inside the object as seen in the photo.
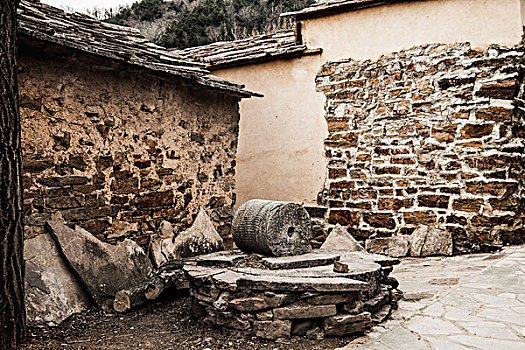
(280, 151)
(280, 154)
(370, 33)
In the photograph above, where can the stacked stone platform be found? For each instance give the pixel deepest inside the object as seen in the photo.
(317, 294)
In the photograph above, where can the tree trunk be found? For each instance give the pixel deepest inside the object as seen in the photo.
(12, 310)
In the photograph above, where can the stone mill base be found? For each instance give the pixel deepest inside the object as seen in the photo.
(317, 294)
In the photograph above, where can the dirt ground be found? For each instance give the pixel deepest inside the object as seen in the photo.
(165, 324)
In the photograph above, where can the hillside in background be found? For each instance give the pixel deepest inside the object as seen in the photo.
(187, 23)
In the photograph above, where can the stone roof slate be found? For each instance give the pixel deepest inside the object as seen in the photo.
(337, 6)
(120, 43)
(258, 48)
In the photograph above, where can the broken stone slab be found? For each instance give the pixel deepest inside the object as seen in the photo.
(201, 238)
(315, 258)
(220, 259)
(200, 274)
(341, 325)
(303, 310)
(52, 291)
(428, 240)
(227, 280)
(395, 246)
(273, 329)
(104, 269)
(340, 239)
(300, 284)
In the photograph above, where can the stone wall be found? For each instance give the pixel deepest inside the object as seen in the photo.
(432, 135)
(118, 150)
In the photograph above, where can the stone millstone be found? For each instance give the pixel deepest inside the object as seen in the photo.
(272, 228)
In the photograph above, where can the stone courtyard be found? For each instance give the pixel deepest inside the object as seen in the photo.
(464, 302)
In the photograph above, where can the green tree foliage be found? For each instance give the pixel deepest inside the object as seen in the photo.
(200, 22)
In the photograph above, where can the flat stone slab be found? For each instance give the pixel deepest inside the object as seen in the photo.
(220, 259)
(312, 259)
(304, 311)
(332, 299)
(346, 319)
(300, 284)
(382, 260)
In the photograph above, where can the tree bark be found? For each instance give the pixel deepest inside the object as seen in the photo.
(12, 310)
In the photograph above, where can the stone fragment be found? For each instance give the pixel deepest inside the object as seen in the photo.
(264, 315)
(340, 239)
(162, 248)
(312, 259)
(315, 333)
(273, 329)
(300, 284)
(339, 320)
(261, 301)
(428, 240)
(396, 246)
(200, 238)
(303, 310)
(104, 269)
(354, 308)
(52, 292)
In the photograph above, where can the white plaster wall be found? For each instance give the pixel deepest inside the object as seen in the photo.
(280, 152)
(370, 33)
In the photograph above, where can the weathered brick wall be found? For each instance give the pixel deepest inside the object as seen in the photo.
(431, 136)
(117, 150)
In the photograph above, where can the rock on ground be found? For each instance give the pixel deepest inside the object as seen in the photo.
(200, 238)
(395, 246)
(161, 248)
(104, 269)
(427, 241)
(340, 239)
(52, 292)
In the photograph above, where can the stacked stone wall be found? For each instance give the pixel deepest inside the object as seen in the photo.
(433, 136)
(117, 150)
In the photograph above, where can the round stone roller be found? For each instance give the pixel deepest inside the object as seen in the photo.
(272, 228)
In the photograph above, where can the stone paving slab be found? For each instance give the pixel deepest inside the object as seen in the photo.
(464, 302)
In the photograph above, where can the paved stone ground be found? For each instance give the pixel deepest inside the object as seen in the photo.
(464, 302)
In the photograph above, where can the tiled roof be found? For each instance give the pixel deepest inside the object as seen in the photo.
(254, 49)
(336, 6)
(119, 43)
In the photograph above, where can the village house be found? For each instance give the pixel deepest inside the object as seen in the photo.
(389, 114)
(118, 133)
